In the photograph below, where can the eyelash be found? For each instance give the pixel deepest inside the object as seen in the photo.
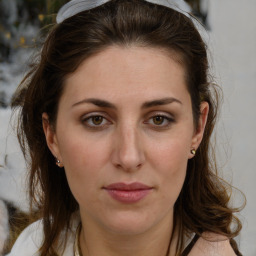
(92, 126)
(87, 121)
(166, 119)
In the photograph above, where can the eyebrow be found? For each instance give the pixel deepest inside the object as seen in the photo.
(147, 104)
(160, 102)
(96, 102)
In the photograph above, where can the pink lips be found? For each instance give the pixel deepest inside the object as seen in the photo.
(128, 193)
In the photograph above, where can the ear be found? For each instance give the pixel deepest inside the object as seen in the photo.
(199, 131)
(50, 137)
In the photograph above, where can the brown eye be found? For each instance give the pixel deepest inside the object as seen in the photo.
(158, 120)
(97, 120)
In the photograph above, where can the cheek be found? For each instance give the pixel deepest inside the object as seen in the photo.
(170, 159)
(80, 151)
(83, 162)
(172, 154)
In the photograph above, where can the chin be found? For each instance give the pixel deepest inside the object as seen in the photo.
(129, 223)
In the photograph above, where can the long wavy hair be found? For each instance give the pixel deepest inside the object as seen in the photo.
(203, 204)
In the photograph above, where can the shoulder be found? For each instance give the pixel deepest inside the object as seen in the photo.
(212, 244)
(29, 241)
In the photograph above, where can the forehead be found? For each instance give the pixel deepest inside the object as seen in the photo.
(119, 72)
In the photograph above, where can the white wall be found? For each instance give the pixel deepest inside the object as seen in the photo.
(233, 35)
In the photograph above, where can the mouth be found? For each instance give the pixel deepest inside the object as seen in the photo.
(128, 193)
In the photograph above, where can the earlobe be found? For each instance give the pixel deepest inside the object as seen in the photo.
(50, 136)
(199, 131)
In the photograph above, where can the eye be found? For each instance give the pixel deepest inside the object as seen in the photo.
(95, 121)
(160, 121)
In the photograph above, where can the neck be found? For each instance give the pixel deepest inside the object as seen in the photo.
(159, 241)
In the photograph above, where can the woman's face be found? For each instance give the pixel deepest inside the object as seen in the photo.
(124, 133)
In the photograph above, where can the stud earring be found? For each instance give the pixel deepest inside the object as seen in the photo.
(193, 151)
(58, 163)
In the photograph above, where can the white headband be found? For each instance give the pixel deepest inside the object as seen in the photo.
(76, 6)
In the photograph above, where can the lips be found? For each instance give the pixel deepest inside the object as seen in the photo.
(128, 193)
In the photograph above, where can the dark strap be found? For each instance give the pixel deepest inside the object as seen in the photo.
(190, 246)
(194, 240)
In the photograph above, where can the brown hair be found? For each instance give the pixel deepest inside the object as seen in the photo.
(203, 202)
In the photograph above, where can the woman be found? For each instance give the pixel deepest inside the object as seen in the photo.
(116, 120)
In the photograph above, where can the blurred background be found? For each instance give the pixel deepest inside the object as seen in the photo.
(230, 32)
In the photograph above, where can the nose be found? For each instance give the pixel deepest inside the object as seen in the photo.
(128, 153)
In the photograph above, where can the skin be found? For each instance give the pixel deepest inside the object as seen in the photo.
(212, 245)
(131, 141)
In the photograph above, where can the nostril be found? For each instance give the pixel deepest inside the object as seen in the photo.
(128, 167)
(118, 166)
(139, 165)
